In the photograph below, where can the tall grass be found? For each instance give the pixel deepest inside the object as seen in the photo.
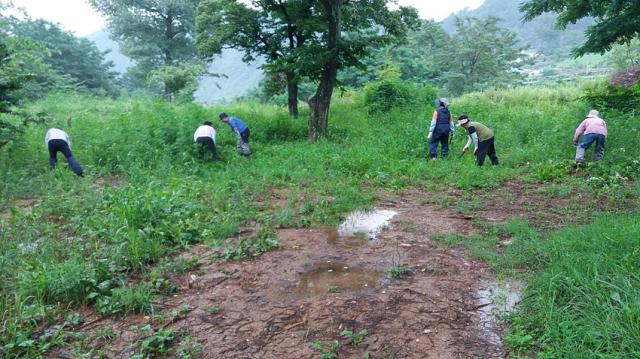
(86, 242)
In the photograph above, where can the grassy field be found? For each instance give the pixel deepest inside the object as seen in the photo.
(107, 241)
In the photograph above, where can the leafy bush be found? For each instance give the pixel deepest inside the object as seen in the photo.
(621, 98)
(388, 94)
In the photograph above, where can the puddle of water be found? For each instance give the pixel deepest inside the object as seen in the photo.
(494, 300)
(336, 277)
(346, 242)
(366, 224)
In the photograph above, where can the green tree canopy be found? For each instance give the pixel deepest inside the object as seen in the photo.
(616, 21)
(154, 33)
(481, 54)
(271, 29)
(69, 55)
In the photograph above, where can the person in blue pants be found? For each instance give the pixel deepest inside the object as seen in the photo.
(56, 140)
(440, 129)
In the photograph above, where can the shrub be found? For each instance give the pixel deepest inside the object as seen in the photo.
(385, 95)
(624, 99)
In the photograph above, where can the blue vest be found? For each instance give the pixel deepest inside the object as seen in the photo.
(443, 122)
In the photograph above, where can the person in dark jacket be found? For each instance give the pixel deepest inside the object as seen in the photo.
(482, 138)
(241, 131)
(56, 140)
(440, 129)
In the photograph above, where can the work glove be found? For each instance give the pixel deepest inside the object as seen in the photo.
(429, 135)
(575, 143)
(465, 150)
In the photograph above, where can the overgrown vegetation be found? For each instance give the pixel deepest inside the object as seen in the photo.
(113, 245)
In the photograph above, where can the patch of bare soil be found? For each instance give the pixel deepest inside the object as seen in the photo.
(319, 283)
(101, 183)
(25, 205)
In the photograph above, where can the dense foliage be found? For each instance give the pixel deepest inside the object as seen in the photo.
(155, 34)
(616, 21)
(480, 54)
(69, 55)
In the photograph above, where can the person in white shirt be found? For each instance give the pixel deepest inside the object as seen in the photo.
(56, 140)
(206, 136)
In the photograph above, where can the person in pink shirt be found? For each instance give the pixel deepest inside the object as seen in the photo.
(595, 130)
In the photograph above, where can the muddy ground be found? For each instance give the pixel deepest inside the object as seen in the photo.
(319, 283)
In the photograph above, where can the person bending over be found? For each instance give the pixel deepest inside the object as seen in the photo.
(206, 136)
(482, 138)
(56, 140)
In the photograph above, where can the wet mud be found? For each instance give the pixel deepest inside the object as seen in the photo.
(322, 281)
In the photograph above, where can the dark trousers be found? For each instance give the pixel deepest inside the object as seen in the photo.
(486, 148)
(208, 142)
(441, 138)
(245, 135)
(56, 146)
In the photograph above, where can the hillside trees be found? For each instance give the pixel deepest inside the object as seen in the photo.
(344, 42)
(269, 28)
(69, 55)
(616, 21)
(304, 39)
(481, 54)
(155, 34)
(478, 55)
(24, 75)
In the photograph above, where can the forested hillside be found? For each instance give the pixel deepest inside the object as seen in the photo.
(540, 34)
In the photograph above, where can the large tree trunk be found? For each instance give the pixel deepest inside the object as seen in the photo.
(292, 91)
(319, 103)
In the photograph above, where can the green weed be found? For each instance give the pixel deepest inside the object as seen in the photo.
(330, 353)
(395, 272)
(355, 338)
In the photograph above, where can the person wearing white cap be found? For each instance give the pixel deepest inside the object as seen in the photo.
(595, 130)
(482, 138)
(56, 140)
(440, 129)
(206, 136)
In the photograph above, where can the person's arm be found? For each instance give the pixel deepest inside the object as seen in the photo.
(212, 133)
(473, 139)
(606, 133)
(579, 131)
(46, 139)
(66, 137)
(234, 127)
(452, 126)
(432, 126)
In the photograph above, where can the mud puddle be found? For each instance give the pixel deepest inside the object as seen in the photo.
(494, 301)
(311, 289)
(337, 277)
(366, 224)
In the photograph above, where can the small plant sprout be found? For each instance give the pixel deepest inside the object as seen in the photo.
(356, 338)
(332, 288)
(330, 353)
(395, 272)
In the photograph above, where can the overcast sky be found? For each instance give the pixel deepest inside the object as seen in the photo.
(79, 17)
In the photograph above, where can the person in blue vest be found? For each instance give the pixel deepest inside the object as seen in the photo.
(440, 129)
(241, 131)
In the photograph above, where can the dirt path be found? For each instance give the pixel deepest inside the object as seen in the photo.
(318, 284)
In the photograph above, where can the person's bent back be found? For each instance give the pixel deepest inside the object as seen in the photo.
(206, 136)
(56, 140)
